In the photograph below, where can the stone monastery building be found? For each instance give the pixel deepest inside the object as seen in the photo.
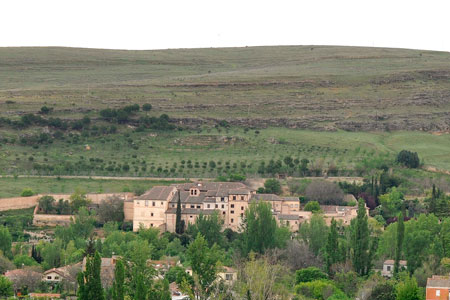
(157, 207)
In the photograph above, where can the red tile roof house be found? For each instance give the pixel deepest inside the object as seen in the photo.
(438, 288)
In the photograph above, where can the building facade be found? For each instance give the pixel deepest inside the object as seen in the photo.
(438, 288)
(157, 207)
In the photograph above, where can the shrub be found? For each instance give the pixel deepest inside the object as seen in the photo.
(317, 289)
(312, 206)
(45, 110)
(309, 274)
(27, 192)
(408, 159)
(272, 186)
(146, 107)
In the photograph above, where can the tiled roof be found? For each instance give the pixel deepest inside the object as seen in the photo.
(288, 217)
(157, 193)
(265, 197)
(438, 282)
(239, 191)
(190, 211)
(391, 262)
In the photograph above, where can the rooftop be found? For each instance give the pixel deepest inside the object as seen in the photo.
(438, 281)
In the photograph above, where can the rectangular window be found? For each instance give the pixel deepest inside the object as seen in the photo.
(223, 206)
(162, 203)
(198, 206)
(232, 211)
(146, 202)
(190, 217)
(242, 215)
(154, 203)
(192, 206)
(389, 268)
(151, 215)
(56, 277)
(232, 205)
(242, 198)
(232, 220)
(228, 277)
(223, 213)
(49, 277)
(208, 206)
(438, 293)
(222, 199)
(234, 197)
(242, 208)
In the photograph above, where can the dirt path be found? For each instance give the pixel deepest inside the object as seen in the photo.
(257, 182)
(107, 177)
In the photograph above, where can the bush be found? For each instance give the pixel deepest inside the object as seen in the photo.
(384, 290)
(317, 289)
(272, 186)
(408, 159)
(146, 107)
(309, 274)
(312, 206)
(26, 192)
(45, 110)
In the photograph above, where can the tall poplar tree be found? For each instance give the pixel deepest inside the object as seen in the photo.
(400, 237)
(432, 207)
(178, 224)
(119, 279)
(89, 281)
(360, 241)
(332, 246)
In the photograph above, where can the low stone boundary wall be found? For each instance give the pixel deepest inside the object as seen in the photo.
(18, 202)
(27, 202)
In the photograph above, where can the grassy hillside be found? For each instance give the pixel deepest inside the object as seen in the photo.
(314, 87)
(336, 106)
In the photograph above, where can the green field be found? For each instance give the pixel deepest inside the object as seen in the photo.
(336, 106)
(163, 154)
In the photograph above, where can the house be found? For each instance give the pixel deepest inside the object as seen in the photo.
(438, 288)
(53, 275)
(228, 275)
(67, 273)
(24, 278)
(388, 267)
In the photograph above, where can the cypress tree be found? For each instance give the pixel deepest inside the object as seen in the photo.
(360, 241)
(400, 237)
(141, 290)
(90, 284)
(433, 201)
(81, 293)
(332, 246)
(179, 228)
(119, 279)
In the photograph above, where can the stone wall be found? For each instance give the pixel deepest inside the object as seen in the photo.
(128, 210)
(27, 202)
(50, 220)
(18, 202)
